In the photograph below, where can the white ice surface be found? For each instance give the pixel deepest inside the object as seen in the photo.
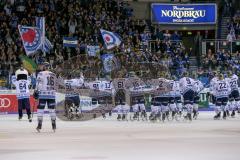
(203, 139)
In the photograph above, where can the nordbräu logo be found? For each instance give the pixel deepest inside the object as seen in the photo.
(183, 12)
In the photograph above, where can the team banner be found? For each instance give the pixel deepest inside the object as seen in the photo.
(70, 42)
(163, 13)
(93, 50)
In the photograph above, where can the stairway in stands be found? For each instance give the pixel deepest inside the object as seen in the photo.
(224, 30)
(193, 64)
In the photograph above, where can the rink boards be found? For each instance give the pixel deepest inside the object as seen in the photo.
(8, 101)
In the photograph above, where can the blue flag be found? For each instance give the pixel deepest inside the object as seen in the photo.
(70, 42)
(46, 45)
(110, 39)
(110, 63)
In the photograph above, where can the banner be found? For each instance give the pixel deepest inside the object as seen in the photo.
(9, 103)
(93, 50)
(163, 13)
(70, 42)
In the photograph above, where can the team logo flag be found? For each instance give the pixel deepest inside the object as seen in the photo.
(110, 39)
(31, 38)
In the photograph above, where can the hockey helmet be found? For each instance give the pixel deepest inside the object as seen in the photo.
(185, 74)
(46, 65)
(229, 73)
(21, 74)
(220, 76)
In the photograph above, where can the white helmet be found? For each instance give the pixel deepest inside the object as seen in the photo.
(21, 74)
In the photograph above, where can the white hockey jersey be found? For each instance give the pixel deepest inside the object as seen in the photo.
(221, 88)
(70, 85)
(198, 86)
(233, 82)
(101, 85)
(174, 86)
(177, 89)
(163, 84)
(212, 82)
(186, 84)
(46, 85)
(22, 88)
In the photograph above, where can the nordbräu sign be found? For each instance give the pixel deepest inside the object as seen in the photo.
(163, 13)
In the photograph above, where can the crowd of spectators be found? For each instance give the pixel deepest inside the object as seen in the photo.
(234, 28)
(83, 19)
(145, 48)
(226, 58)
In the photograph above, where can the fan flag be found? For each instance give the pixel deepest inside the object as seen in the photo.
(31, 38)
(46, 45)
(110, 39)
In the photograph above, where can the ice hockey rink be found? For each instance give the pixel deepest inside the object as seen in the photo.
(109, 139)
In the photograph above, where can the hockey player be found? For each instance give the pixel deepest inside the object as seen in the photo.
(22, 83)
(122, 109)
(72, 98)
(139, 109)
(154, 110)
(177, 96)
(171, 97)
(198, 87)
(135, 108)
(106, 100)
(212, 82)
(222, 89)
(46, 85)
(187, 89)
(234, 96)
(163, 98)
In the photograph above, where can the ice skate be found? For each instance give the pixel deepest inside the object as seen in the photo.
(54, 125)
(134, 116)
(143, 115)
(39, 127)
(163, 117)
(224, 115)
(195, 114)
(94, 116)
(167, 115)
(189, 116)
(227, 113)
(217, 116)
(119, 117)
(233, 114)
(19, 118)
(151, 117)
(173, 114)
(123, 117)
(29, 118)
(104, 115)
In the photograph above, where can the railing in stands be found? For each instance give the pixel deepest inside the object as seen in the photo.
(219, 44)
(152, 44)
